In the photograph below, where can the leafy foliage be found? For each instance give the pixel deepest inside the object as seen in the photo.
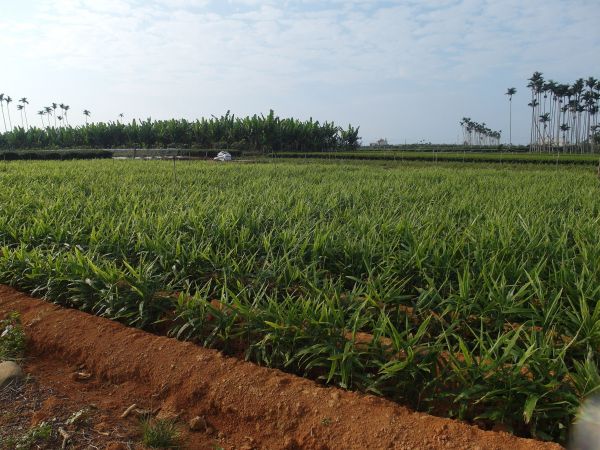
(469, 292)
(257, 133)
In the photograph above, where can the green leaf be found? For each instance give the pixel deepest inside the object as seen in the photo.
(530, 404)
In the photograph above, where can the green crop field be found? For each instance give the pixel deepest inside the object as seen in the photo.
(451, 156)
(468, 291)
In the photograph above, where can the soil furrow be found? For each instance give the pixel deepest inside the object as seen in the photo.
(247, 406)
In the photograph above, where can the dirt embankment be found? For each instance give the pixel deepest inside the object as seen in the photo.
(245, 406)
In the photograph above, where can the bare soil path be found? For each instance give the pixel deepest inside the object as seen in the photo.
(244, 406)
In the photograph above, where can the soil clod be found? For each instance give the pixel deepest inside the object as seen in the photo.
(10, 372)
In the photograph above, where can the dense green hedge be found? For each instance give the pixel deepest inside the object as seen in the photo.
(51, 155)
(170, 152)
(448, 148)
(256, 133)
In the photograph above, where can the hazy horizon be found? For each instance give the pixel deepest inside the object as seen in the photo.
(401, 70)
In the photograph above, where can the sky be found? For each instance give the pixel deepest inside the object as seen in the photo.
(405, 70)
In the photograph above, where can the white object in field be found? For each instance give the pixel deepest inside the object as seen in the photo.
(585, 434)
(223, 156)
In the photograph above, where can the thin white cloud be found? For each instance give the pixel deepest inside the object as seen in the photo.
(402, 39)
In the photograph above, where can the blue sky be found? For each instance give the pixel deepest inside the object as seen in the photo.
(404, 70)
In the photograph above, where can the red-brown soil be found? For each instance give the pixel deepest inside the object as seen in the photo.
(245, 406)
(48, 397)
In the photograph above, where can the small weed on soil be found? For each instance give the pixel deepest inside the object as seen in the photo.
(159, 433)
(38, 434)
(12, 338)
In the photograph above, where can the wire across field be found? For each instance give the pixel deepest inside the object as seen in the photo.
(467, 291)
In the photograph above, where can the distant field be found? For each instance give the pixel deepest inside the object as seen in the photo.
(464, 290)
(444, 155)
(467, 156)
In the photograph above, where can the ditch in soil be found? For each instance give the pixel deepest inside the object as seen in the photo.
(241, 405)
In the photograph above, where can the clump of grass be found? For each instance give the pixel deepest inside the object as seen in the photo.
(160, 433)
(12, 338)
(36, 435)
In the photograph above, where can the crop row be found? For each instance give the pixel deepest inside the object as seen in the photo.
(449, 156)
(468, 292)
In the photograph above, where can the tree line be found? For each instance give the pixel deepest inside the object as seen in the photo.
(564, 117)
(256, 133)
(478, 133)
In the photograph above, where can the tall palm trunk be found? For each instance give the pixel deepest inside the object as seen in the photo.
(8, 113)
(3, 117)
(532, 130)
(510, 121)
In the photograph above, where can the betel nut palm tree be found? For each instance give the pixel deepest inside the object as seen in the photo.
(8, 101)
(2, 107)
(23, 101)
(510, 92)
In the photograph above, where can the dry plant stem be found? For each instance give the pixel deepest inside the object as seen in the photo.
(128, 411)
(66, 436)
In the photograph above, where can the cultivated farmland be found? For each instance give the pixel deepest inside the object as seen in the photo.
(466, 291)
